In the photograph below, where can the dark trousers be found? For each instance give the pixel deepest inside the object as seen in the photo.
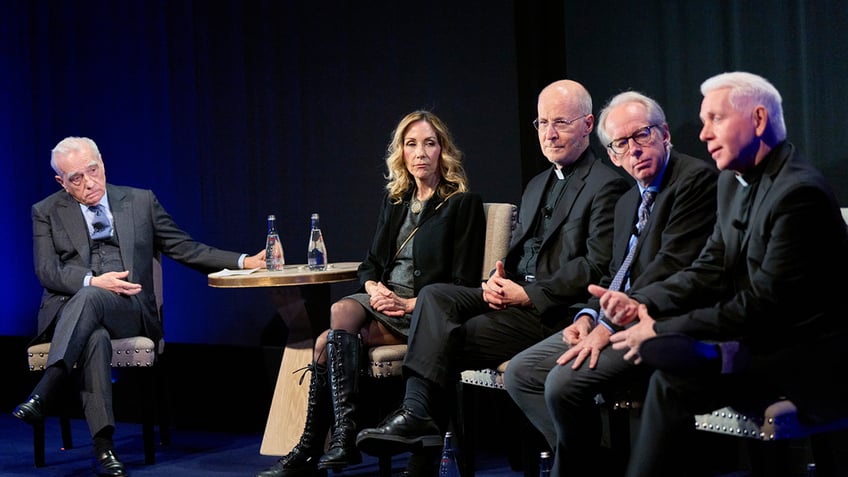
(82, 336)
(803, 373)
(453, 329)
(560, 401)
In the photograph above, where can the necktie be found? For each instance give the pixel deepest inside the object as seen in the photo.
(102, 226)
(644, 211)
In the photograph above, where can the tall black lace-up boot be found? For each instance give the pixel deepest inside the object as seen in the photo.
(343, 354)
(303, 458)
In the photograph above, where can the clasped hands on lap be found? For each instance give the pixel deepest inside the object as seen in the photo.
(584, 341)
(386, 301)
(500, 292)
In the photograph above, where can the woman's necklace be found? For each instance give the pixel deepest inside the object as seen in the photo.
(416, 205)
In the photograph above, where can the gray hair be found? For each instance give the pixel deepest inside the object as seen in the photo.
(72, 144)
(747, 91)
(656, 115)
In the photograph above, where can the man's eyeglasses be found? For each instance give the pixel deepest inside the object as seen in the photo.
(561, 125)
(641, 137)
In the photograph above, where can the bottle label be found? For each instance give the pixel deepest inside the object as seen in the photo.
(274, 260)
(316, 256)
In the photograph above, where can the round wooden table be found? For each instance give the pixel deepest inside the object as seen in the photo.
(304, 308)
(290, 275)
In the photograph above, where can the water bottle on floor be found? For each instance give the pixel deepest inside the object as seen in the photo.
(448, 466)
(545, 464)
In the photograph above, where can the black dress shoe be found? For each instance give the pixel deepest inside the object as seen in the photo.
(402, 431)
(30, 411)
(106, 464)
(677, 353)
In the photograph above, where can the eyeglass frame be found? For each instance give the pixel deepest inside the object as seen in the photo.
(633, 137)
(564, 123)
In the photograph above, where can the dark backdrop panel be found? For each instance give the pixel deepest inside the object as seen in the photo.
(232, 110)
(666, 49)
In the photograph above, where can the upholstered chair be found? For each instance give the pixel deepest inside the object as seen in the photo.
(136, 357)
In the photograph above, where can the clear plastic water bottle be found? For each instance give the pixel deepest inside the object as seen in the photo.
(448, 466)
(317, 254)
(545, 464)
(274, 259)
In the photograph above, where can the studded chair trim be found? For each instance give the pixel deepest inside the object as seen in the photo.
(386, 361)
(779, 421)
(137, 351)
(487, 378)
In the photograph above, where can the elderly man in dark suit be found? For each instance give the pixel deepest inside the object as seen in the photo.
(563, 243)
(94, 245)
(767, 286)
(549, 380)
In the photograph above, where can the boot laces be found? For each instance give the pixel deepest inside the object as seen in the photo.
(311, 367)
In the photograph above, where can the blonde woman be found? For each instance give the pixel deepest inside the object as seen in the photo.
(430, 230)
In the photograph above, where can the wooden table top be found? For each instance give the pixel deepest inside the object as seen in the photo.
(291, 275)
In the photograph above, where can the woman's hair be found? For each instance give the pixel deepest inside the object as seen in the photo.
(400, 181)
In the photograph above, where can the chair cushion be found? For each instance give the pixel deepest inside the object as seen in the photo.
(136, 351)
(386, 360)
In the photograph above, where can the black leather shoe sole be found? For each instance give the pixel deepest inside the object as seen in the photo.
(354, 459)
(390, 444)
(280, 471)
(400, 432)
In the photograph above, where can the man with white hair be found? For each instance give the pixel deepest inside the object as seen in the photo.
(94, 244)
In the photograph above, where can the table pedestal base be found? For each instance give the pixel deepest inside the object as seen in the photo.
(302, 299)
(287, 415)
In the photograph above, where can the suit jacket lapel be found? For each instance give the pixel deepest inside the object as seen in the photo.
(569, 195)
(621, 239)
(122, 218)
(74, 222)
(775, 164)
(776, 161)
(762, 191)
